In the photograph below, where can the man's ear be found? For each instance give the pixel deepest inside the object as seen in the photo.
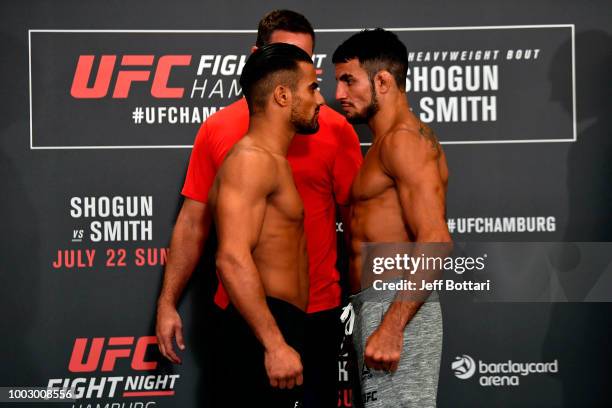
(254, 48)
(282, 95)
(383, 81)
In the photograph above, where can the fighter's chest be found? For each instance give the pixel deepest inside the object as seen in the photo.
(371, 181)
(286, 199)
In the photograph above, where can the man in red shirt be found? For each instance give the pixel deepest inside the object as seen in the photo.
(323, 164)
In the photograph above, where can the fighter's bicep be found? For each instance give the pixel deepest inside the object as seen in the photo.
(242, 192)
(422, 199)
(413, 164)
(239, 217)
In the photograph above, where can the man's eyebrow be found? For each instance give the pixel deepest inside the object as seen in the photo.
(345, 77)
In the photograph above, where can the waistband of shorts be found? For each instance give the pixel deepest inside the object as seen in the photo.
(276, 303)
(370, 294)
(276, 306)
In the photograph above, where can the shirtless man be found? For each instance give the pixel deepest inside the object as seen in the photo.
(399, 195)
(261, 257)
(324, 164)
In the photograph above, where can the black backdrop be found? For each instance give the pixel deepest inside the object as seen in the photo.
(542, 159)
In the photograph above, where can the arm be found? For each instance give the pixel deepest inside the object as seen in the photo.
(411, 160)
(245, 182)
(188, 237)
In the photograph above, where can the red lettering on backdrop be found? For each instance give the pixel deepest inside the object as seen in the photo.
(162, 73)
(125, 78)
(113, 354)
(159, 87)
(138, 361)
(76, 364)
(110, 354)
(82, 74)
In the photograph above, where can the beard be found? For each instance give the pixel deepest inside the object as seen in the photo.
(303, 124)
(362, 117)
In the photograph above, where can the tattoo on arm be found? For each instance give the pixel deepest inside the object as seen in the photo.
(427, 133)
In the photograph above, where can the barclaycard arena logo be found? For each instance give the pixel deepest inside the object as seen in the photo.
(95, 363)
(506, 374)
(464, 367)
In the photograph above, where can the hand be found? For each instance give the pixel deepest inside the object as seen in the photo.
(169, 326)
(284, 367)
(383, 349)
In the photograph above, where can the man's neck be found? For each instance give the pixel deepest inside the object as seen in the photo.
(391, 114)
(271, 133)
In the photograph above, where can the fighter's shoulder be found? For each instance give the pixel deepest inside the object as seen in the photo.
(248, 170)
(248, 159)
(411, 141)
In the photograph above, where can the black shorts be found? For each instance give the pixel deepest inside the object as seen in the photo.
(321, 348)
(242, 380)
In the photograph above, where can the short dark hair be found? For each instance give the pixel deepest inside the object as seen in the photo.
(285, 20)
(376, 50)
(269, 66)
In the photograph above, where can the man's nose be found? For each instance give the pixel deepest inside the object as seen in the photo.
(340, 92)
(320, 99)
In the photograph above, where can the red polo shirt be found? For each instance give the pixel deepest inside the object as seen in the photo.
(324, 165)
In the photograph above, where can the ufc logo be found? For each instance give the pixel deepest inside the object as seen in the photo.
(106, 67)
(115, 348)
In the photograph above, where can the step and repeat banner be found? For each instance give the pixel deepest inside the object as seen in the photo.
(101, 104)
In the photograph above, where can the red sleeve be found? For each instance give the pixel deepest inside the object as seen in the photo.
(347, 163)
(201, 171)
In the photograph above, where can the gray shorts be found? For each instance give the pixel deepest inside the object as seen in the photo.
(415, 383)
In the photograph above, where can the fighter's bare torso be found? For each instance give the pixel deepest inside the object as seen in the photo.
(280, 251)
(376, 211)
